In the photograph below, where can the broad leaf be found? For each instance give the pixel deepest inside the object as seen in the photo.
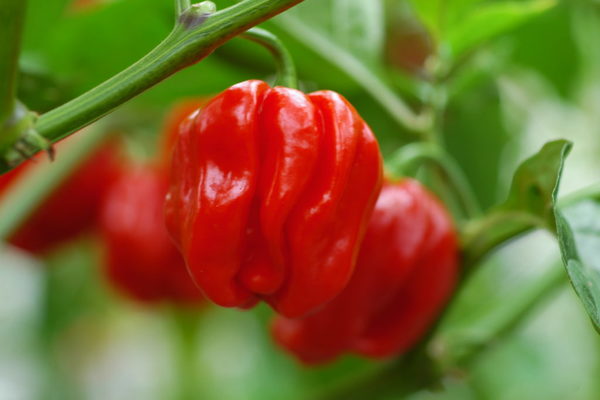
(578, 227)
(535, 183)
(358, 26)
(530, 203)
(465, 24)
(486, 22)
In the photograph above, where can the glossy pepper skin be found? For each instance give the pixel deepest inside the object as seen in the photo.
(72, 208)
(271, 191)
(140, 259)
(406, 271)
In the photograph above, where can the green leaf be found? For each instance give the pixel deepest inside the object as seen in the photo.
(429, 13)
(535, 183)
(530, 203)
(578, 227)
(307, 24)
(494, 19)
(358, 26)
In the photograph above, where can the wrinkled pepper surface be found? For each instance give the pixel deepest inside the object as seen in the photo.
(271, 191)
(140, 259)
(406, 271)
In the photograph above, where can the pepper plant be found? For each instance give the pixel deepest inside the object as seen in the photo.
(450, 89)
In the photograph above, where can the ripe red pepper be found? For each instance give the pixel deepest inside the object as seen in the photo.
(141, 260)
(270, 195)
(406, 270)
(72, 208)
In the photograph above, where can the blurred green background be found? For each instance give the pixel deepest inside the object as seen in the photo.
(64, 334)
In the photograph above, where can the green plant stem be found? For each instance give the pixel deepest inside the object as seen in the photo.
(195, 36)
(482, 236)
(286, 70)
(185, 46)
(36, 184)
(185, 329)
(12, 16)
(370, 81)
(410, 156)
(181, 6)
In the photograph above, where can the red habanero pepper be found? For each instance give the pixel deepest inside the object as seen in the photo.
(271, 191)
(72, 208)
(406, 271)
(140, 259)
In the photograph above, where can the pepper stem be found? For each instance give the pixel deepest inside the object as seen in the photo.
(409, 156)
(286, 70)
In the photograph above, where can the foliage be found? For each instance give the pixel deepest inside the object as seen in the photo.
(502, 80)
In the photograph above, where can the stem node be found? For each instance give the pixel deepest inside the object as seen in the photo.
(197, 14)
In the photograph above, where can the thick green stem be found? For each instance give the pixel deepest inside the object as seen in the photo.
(286, 70)
(12, 15)
(185, 46)
(195, 36)
(181, 6)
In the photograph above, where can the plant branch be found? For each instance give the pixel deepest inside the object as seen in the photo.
(286, 70)
(181, 6)
(359, 72)
(482, 236)
(193, 38)
(12, 16)
(412, 155)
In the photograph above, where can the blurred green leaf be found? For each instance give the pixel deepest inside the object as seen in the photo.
(358, 25)
(466, 24)
(474, 120)
(306, 23)
(430, 14)
(491, 20)
(530, 203)
(536, 181)
(578, 228)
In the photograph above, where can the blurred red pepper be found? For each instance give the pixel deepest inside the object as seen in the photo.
(72, 208)
(406, 271)
(141, 260)
(270, 196)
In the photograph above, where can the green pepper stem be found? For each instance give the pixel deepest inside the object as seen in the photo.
(286, 70)
(187, 44)
(181, 6)
(414, 154)
(12, 15)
